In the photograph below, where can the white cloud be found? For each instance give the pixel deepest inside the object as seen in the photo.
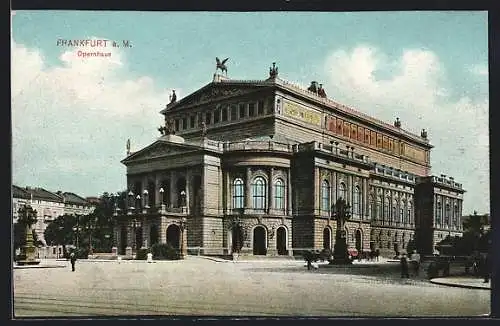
(416, 91)
(481, 70)
(71, 122)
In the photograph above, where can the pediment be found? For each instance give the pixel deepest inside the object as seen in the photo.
(157, 150)
(213, 92)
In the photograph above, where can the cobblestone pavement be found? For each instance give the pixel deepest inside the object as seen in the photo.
(204, 287)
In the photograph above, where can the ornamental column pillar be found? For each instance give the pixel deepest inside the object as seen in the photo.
(270, 191)
(248, 189)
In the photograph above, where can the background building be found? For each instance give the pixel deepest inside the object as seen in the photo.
(254, 167)
(48, 205)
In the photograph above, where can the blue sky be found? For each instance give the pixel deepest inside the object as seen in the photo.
(428, 68)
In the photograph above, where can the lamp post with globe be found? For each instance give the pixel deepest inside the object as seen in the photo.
(341, 211)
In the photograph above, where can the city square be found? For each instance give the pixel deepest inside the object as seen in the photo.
(309, 179)
(201, 287)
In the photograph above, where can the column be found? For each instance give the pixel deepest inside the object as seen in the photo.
(145, 233)
(288, 196)
(227, 195)
(128, 249)
(248, 189)
(173, 190)
(365, 194)
(317, 191)
(188, 191)
(116, 240)
(162, 230)
(157, 202)
(270, 192)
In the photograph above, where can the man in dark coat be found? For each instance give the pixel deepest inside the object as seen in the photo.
(404, 266)
(72, 258)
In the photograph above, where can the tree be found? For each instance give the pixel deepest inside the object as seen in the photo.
(60, 231)
(475, 223)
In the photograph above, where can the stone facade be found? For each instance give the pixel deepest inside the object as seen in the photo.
(254, 167)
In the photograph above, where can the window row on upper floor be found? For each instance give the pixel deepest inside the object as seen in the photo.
(259, 194)
(224, 113)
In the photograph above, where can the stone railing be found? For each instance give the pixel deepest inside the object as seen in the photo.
(394, 173)
(333, 150)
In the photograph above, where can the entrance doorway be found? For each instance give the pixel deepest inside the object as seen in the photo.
(123, 240)
(327, 238)
(359, 245)
(138, 238)
(237, 238)
(174, 236)
(153, 234)
(281, 241)
(259, 240)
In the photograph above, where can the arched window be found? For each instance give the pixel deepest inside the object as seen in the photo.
(325, 196)
(371, 207)
(402, 209)
(447, 213)
(379, 208)
(394, 216)
(356, 201)
(279, 194)
(238, 193)
(259, 193)
(387, 210)
(455, 216)
(342, 193)
(409, 209)
(438, 213)
(401, 212)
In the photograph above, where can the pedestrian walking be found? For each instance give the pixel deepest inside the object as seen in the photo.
(404, 266)
(486, 267)
(415, 261)
(72, 258)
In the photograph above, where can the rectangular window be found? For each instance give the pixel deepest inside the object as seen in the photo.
(184, 123)
(234, 112)
(242, 110)
(224, 113)
(216, 116)
(339, 126)
(191, 121)
(354, 131)
(208, 118)
(251, 109)
(260, 108)
(177, 123)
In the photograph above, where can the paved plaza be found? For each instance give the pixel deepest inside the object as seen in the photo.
(203, 287)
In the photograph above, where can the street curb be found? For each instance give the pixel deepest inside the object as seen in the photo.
(458, 285)
(38, 266)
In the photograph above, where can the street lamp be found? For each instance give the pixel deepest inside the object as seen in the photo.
(341, 211)
(161, 196)
(134, 221)
(131, 200)
(182, 226)
(146, 198)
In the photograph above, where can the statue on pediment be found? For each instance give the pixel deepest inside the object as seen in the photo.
(397, 123)
(273, 71)
(173, 97)
(221, 65)
(128, 146)
(321, 91)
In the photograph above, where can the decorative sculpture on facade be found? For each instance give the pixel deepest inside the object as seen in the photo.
(321, 91)
(313, 87)
(423, 134)
(128, 146)
(397, 123)
(273, 71)
(173, 97)
(221, 65)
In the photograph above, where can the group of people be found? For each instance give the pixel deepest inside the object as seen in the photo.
(413, 261)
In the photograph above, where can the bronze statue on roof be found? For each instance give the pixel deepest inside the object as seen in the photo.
(273, 71)
(221, 65)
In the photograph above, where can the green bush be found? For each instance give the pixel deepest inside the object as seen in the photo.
(164, 251)
(142, 254)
